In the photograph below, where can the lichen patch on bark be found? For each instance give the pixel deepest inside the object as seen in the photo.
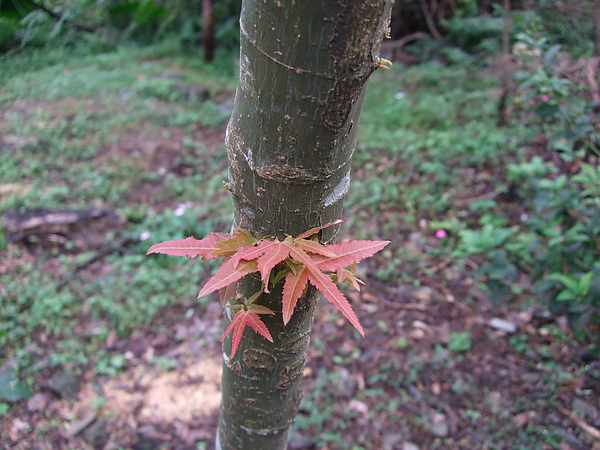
(286, 174)
(246, 78)
(339, 191)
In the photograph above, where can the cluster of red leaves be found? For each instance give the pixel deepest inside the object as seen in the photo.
(299, 260)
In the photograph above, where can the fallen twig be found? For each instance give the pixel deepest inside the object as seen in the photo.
(101, 253)
(487, 196)
(450, 298)
(592, 431)
(80, 425)
(404, 306)
(520, 363)
(19, 224)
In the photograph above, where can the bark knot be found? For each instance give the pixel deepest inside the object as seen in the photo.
(259, 360)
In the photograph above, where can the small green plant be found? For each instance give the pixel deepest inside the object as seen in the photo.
(110, 365)
(402, 343)
(4, 408)
(519, 342)
(460, 342)
(536, 167)
(487, 239)
(99, 402)
(589, 179)
(472, 414)
(164, 363)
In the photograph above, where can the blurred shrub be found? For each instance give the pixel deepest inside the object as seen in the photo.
(570, 24)
(9, 26)
(469, 33)
(143, 21)
(557, 103)
(556, 245)
(555, 248)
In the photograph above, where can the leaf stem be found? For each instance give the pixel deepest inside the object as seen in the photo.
(252, 299)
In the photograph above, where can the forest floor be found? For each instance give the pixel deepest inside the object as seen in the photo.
(103, 347)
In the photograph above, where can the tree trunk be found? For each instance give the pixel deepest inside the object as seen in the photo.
(303, 69)
(502, 111)
(208, 29)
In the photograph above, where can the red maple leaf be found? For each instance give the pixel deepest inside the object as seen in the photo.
(317, 229)
(228, 273)
(306, 260)
(247, 316)
(314, 247)
(348, 253)
(267, 254)
(295, 282)
(227, 293)
(231, 246)
(191, 247)
(324, 284)
(346, 276)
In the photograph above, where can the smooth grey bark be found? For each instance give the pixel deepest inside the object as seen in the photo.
(303, 69)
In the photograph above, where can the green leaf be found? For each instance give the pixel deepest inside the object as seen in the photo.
(546, 110)
(11, 389)
(566, 280)
(247, 317)
(566, 296)
(583, 286)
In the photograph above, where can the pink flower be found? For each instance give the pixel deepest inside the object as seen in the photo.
(440, 234)
(545, 98)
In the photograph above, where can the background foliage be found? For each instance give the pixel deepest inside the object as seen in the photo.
(114, 21)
